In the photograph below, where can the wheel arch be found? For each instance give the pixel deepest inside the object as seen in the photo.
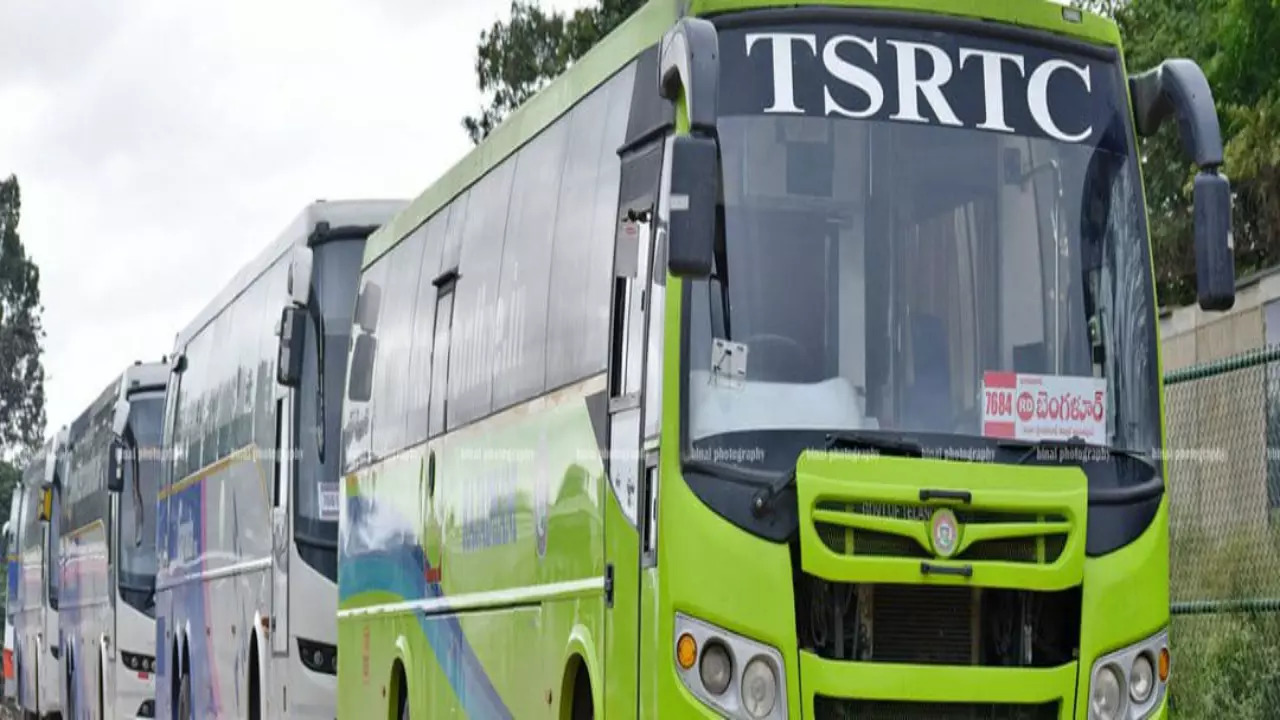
(402, 668)
(579, 655)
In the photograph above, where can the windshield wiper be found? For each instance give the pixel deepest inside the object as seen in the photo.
(1075, 444)
(896, 445)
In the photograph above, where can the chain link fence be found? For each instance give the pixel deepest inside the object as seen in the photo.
(1223, 457)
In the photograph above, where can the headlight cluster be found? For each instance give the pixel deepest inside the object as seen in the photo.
(147, 709)
(139, 663)
(738, 676)
(1130, 683)
(318, 657)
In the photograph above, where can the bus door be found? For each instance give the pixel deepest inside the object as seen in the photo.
(625, 461)
(284, 467)
(289, 356)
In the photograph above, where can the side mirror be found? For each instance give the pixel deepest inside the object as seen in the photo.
(367, 305)
(289, 355)
(1215, 248)
(46, 503)
(1178, 88)
(360, 387)
(115, 465)
(695, 191)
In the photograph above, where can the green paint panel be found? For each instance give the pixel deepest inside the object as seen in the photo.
(499, 587)
(829, 485)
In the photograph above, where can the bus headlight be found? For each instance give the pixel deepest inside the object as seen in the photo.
(752, 693)
(759, 688)
(138, 663)
(318, 657)
(1124, 684)
(1141, 679)
(1105, 695)
(716, 668)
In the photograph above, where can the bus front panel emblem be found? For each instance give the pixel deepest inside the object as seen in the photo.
(944, 532)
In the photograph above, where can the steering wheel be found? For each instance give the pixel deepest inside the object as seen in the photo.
(795, 347)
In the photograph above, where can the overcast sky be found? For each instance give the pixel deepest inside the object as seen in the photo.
(161, 145)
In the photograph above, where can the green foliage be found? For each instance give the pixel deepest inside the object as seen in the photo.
(22, 418)
(10, 476)
(1234, 41)
(518, 57)
(1225, 664)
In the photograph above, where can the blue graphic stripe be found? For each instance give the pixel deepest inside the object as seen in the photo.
(401, 569)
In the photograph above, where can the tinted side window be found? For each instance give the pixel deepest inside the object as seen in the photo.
(248, 318)
(578, 330)
(419, 390)
(519, 371)
(471, 355)
(395, 325)
(195, 401)
(224, 379)
(273, 298)
(453, 230)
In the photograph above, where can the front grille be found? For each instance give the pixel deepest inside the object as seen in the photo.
(1035, 549)
(936, 624)
(826, 708)
(934, 627)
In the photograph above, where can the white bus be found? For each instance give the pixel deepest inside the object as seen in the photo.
(106, 613)
(35, 623)
(246, 594)
(10, 551)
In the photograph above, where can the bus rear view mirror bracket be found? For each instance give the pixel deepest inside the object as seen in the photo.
(289, 358)
(1178, 88)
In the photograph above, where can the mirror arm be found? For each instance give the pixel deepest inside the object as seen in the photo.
(1178, 87)
(690, 60)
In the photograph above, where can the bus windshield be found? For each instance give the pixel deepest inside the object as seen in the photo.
(337, 274)
(912, 221)
(138, 501)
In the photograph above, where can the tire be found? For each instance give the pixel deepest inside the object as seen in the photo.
(184, 698)
(583, 705)
(70, 704)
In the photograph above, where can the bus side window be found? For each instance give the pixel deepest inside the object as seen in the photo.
(640, 175)
(440, 352)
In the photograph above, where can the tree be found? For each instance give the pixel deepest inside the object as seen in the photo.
(22, 418)
(518, 57)
(1234, 42)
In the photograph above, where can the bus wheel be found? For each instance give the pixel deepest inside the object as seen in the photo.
(583, 707)
(403, 694)
(184, 698)
(71, 688)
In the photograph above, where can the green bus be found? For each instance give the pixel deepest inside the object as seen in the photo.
(779, 361)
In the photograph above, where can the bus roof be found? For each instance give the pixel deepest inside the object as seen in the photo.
(153, 376)
(645, 28)
(34, 473)
(338, 213)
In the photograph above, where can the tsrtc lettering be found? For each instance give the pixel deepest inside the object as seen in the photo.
(924, 74)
